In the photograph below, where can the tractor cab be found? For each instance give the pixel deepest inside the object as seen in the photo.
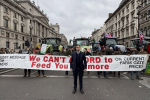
(53, 45)
(137, 44)
(95, 47)
(81, 42)
(109, 40)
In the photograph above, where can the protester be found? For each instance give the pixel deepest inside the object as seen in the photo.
(78, 64)
(117, 52)
(134, 52)
(3, 51)
(11, 51)
(142, 51)
(101, 53)
(87, 54)
(37, 51)
(25, 70)
(62, 52)
(68, 53)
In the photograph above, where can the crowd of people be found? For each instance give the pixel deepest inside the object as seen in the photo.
(6, 51)
(104, 51)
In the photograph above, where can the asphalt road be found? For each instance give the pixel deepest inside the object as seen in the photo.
(57, 87)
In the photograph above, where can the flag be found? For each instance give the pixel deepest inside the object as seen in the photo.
(108, 35)
(141, 36)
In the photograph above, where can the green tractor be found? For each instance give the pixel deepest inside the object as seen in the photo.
(53, 46)
(83, 42)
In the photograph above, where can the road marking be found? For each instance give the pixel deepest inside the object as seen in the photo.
(125, 76)
(125, 73)
(54, 76)
(7, 71)
(34, 72)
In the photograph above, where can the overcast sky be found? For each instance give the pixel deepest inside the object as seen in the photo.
(78, 17)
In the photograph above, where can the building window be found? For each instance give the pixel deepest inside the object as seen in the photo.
(22, 29)
(149, 11)
(5, 23)
(12, 34)
(122, 23)
(149, 32)
(132, 16)
(22, 37)
(30, 22)
(15, 26)
(23, 46)
(132, 5)
(7, 34)
(123, 12)
(127, 9)
(16, 36)
(122, 34)
(21, 18)
(15, 15)
(127, 20)
(132, 30)
(5, 9)
(16, 45)
(7, 44)
(127, 32)
(39, 29)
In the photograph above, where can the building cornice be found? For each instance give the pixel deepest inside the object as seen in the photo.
(28, 1)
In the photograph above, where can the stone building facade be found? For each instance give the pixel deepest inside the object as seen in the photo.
(20, 20)
(96, 34)
(64, 41)
(122, 23)
(145, 17)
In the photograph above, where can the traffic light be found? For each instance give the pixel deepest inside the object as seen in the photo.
(27, 43)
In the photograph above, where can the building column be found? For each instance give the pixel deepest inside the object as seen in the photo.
(1, 15)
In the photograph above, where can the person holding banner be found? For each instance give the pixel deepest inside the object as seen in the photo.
(87, 54)
(78, 64)
(37, 51)
(25, 70)
(117, 52)
(134, 52)
(101, 53)
(142, 51)
(68, 53)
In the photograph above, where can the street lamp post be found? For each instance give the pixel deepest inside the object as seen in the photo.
(138, 18)
(138, 21)
(30, 36)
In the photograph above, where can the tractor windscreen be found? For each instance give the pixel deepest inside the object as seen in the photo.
(51, 41)
(83, 42)
(111, 41)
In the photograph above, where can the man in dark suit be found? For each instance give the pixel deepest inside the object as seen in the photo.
(77, 66)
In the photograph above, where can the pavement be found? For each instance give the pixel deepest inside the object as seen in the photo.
(57, 87)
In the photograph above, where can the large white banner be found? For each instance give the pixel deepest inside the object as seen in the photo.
(62, 63)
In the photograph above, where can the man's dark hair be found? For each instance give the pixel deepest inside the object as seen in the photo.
(77, 45)
(85, 49)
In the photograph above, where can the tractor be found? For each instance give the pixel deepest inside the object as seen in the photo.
(53, 46)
